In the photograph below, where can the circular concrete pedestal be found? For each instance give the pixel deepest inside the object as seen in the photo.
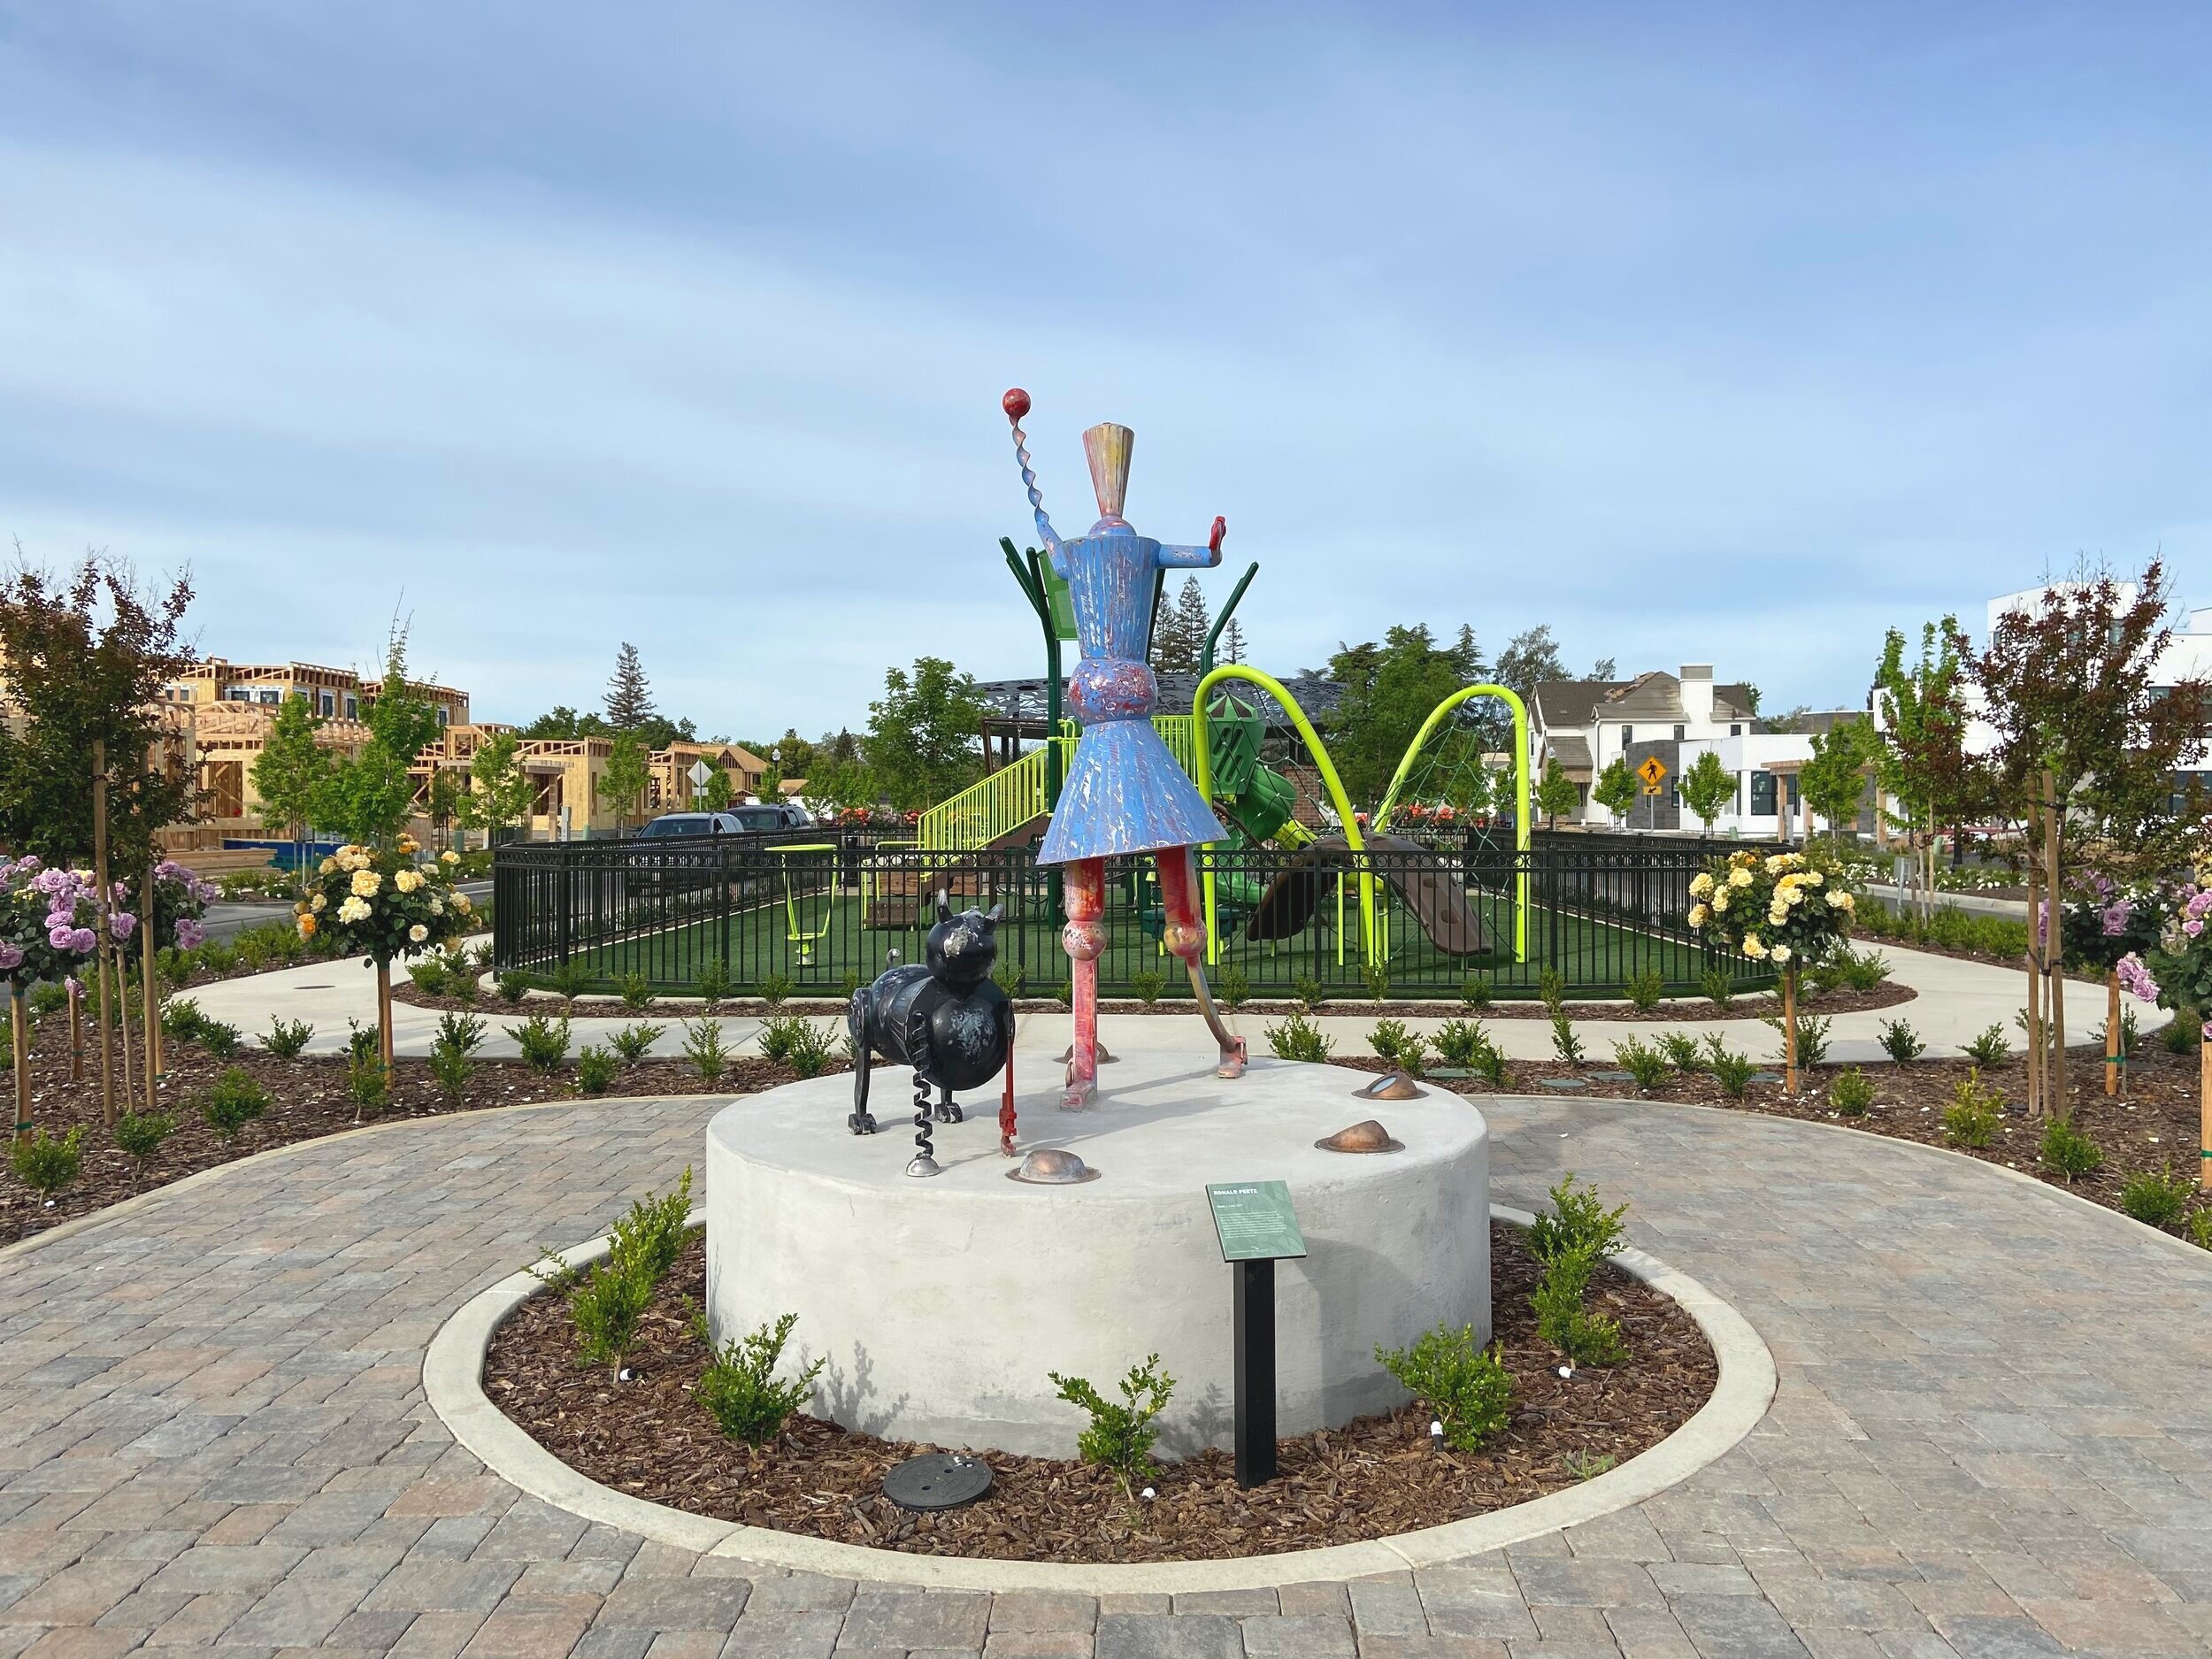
(940, 1303)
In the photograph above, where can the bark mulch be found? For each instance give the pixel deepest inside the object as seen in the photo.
(308, 1098)
(2152, 1127)
(1747, 1006)
(1370, 1479)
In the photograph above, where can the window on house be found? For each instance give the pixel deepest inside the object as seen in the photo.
(1762, 794)
(1735, 729)
(268, 695)
(1628, 735)
(445, 715)
(1679, 732)
(353, 708)
(329, 704)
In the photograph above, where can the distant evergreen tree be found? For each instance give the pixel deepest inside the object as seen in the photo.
(1179, 642)
(1605, 668)
(1232, 642)
(629, 693)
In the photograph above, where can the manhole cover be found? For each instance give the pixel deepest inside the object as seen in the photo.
(937, 1480)
(1563, 1082)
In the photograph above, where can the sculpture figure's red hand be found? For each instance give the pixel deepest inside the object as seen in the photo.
(1221, 527)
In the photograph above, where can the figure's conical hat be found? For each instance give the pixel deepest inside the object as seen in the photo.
(1108, 447)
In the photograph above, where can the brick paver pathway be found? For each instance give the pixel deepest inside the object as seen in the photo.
(1993, 1437)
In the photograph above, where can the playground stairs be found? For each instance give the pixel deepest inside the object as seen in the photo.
(1007, 803)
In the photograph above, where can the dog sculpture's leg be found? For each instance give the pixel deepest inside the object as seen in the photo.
(925, 1159)
(860, 1123)
(947, 1111)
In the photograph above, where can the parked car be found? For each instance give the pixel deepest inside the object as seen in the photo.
(698, 824)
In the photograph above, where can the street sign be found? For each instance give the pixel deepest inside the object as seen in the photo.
(700, 772)
(1255, 1222)
(1257, 1228)
(1654, 773)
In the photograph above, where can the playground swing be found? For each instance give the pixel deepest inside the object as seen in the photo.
(822, 858)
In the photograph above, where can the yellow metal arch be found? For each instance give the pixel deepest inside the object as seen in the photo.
(1202, 759)
(1521, 825)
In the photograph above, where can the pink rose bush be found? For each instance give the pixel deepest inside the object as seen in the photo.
(48, 918)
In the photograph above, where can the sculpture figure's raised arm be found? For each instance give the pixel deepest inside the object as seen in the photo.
(1016, 403)
(1175, 556)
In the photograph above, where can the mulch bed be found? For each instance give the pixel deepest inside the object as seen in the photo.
(308, 1099)
(2152, 1127)
(1371, 1478)
(1750, 1006)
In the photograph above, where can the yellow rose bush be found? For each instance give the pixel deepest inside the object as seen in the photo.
(382, 904)
(1791, 910)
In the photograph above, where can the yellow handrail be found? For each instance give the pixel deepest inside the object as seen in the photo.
(1001, 802)
(1203, 772)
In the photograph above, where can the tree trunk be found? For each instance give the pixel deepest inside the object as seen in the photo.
(149, 995)
(2204, 1113)
(19, 1039)
(1789, 1031)
(76, 1029)
(2036, 1100)
(384, 1015)
(2055, 948)
(2112, 1033)
(101, 902)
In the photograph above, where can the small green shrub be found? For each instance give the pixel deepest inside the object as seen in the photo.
(1121, 1436)
(217, 957)
(1863, 970)
(1563, 1315)
(2157, 1198)
(1645, 988)
(1902, 1042)
(595, 1069)
(738, 1388)
(543, 1042)
(811, 1048)
(1579, 1220)
(650, 1234)
(1989, 1049)
(1395, 1042)
(1564, 1043)
(1474, 991)
(1972, 1118)
(1063, 993)
(1146, 984)
(2182, 1033)
(450, 1069)
(430, 975)
(2200, 1227)
(139, 1136)
(1472, 1049)
(2070, 1152)
(1812, 1036)
(231, 1101)
(47, 999)
(180, 1019)
(847, 982)
(1378, 981)
(47, 1166)
(1233, 986)
(713, 983)
(222, 1038)
(1308, 994)
(1647, 1065)
(1852, 1093)
(775, 990)
(174, 967)
(569, 981)
(1009, 978)
(637, 993)
(1717, 988)
(1551, 990)
(1468, 1390)
(287, 1039)
(368, 1080)
(464, 1032)
(1731, 1070)
(606, 1306)
(251, 950)
(1682, 1051)
(632, 1042)
(512, 986)
(703, 1047)
(1298, 1038)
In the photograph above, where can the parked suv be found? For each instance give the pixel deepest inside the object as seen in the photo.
(698, 824)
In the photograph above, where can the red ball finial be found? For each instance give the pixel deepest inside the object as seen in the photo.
(1016, 403)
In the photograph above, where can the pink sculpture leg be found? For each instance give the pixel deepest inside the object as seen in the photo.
(1185, 936)
(1083, 882)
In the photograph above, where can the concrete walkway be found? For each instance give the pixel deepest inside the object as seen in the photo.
(1990, 1436)
(1957, 1001)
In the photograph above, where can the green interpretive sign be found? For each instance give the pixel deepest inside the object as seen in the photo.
(1255, 1221)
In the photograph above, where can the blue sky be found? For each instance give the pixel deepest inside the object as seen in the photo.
(1702, 334)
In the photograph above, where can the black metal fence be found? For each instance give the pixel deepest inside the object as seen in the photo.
(819, 914)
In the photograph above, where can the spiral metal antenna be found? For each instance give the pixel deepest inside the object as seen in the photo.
(1016, 403)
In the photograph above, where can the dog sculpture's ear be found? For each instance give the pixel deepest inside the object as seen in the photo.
(993, 917)
(944, 905)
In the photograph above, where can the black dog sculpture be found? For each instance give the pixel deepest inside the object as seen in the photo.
(946, 1018)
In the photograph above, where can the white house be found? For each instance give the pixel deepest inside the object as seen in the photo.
(1583, 725)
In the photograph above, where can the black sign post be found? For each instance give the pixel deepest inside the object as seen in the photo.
(1257, 1228)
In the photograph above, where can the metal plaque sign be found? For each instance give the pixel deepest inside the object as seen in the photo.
(1255, 1222)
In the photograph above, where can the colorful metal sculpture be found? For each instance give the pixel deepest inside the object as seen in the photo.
(1124, 792)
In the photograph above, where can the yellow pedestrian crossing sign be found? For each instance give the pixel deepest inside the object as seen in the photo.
(1654, 773)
